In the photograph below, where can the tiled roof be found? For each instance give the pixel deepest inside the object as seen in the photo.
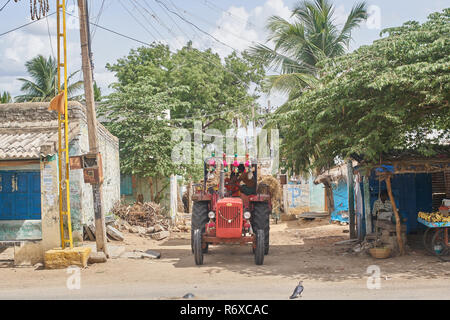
(29, 131)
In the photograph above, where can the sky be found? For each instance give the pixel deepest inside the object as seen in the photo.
(231, 24)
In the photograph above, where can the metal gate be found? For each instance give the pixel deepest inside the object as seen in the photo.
(20, 195)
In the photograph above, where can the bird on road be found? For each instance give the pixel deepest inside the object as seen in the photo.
(188, 296)
(297, 291)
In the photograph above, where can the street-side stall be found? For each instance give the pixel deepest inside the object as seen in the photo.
(415, 190)
(435, 238)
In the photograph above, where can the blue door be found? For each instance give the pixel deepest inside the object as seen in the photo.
(20, 195)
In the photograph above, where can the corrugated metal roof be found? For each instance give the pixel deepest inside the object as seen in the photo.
(30, 141)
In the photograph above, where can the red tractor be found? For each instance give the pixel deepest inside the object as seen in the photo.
(237, 216)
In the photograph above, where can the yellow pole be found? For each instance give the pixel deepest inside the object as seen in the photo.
(61, 9)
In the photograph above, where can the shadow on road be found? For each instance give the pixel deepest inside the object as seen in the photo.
(314, 259)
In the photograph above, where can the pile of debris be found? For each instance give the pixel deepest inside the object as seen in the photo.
(145, 219)
(145, 214)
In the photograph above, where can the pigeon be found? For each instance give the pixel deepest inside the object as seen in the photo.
(297, 291)
(188, 296)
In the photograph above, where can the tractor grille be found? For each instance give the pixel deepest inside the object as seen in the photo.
(226, 214)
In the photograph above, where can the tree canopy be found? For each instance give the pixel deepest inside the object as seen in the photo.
(390, 95)
(191, 84)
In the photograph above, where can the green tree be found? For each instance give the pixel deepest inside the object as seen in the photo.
(42, 87)
(97, 93)
(391, 95)
(191, 84)
(5, 97)
(299, 46)
(217, 92)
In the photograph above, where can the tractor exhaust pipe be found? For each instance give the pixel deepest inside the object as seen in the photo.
(221, 184)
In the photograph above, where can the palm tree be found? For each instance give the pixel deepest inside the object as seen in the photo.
(97, 92)
(44, 78)
(298, 46)
(5, 97)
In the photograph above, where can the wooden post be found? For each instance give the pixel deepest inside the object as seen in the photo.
(285, 199)
(97, 189)
(398, 224)
(351, 200)
(173, 197)
(368, 214)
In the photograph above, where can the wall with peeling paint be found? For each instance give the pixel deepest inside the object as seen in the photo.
(82, 210)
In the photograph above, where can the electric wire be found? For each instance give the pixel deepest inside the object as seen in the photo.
(148, 21)
(97, 19)
(24, 25)
(135, 19)
(4, 5)
(172, 19)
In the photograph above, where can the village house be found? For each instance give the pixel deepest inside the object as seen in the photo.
(29, 200)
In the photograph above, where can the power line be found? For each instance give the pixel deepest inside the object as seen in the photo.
(148, 21)
(97, 19)
(210, 35)
(24, 25)
(172, 19)
(50, 37)
(4, 5)
(220, 28)
(158, 20)
(179, 10)
(148, 44)
(115, 32)
(201, 30)
(135, 19)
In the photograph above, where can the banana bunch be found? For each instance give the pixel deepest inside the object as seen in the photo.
(433, 217)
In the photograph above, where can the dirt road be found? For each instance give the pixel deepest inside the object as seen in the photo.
(298, 252)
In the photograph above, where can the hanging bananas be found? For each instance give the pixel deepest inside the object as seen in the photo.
(35, 12)
(433, 217)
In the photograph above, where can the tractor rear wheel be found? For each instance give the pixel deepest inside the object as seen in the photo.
(259, 250)
(197, 244)
(260, 220)
(198, 221)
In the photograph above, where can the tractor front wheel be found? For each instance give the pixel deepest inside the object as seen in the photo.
(259, 250)
(197, 247)
(198, 221)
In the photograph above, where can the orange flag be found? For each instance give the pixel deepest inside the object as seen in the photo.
(57, 103)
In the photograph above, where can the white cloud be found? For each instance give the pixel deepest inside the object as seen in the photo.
(241, 29)
(22, 45)
(103, 79)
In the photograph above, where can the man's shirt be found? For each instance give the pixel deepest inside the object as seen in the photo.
(379, 206)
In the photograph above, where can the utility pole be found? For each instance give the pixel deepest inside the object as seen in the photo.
(100, 229)
(254, 133)
(88, 31)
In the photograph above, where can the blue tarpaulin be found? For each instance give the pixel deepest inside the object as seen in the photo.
(340, 195)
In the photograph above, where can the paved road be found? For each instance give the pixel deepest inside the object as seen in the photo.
(281, 289)
(229, 272)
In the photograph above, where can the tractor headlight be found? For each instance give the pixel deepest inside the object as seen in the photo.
(247, 215)
(211, 215)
